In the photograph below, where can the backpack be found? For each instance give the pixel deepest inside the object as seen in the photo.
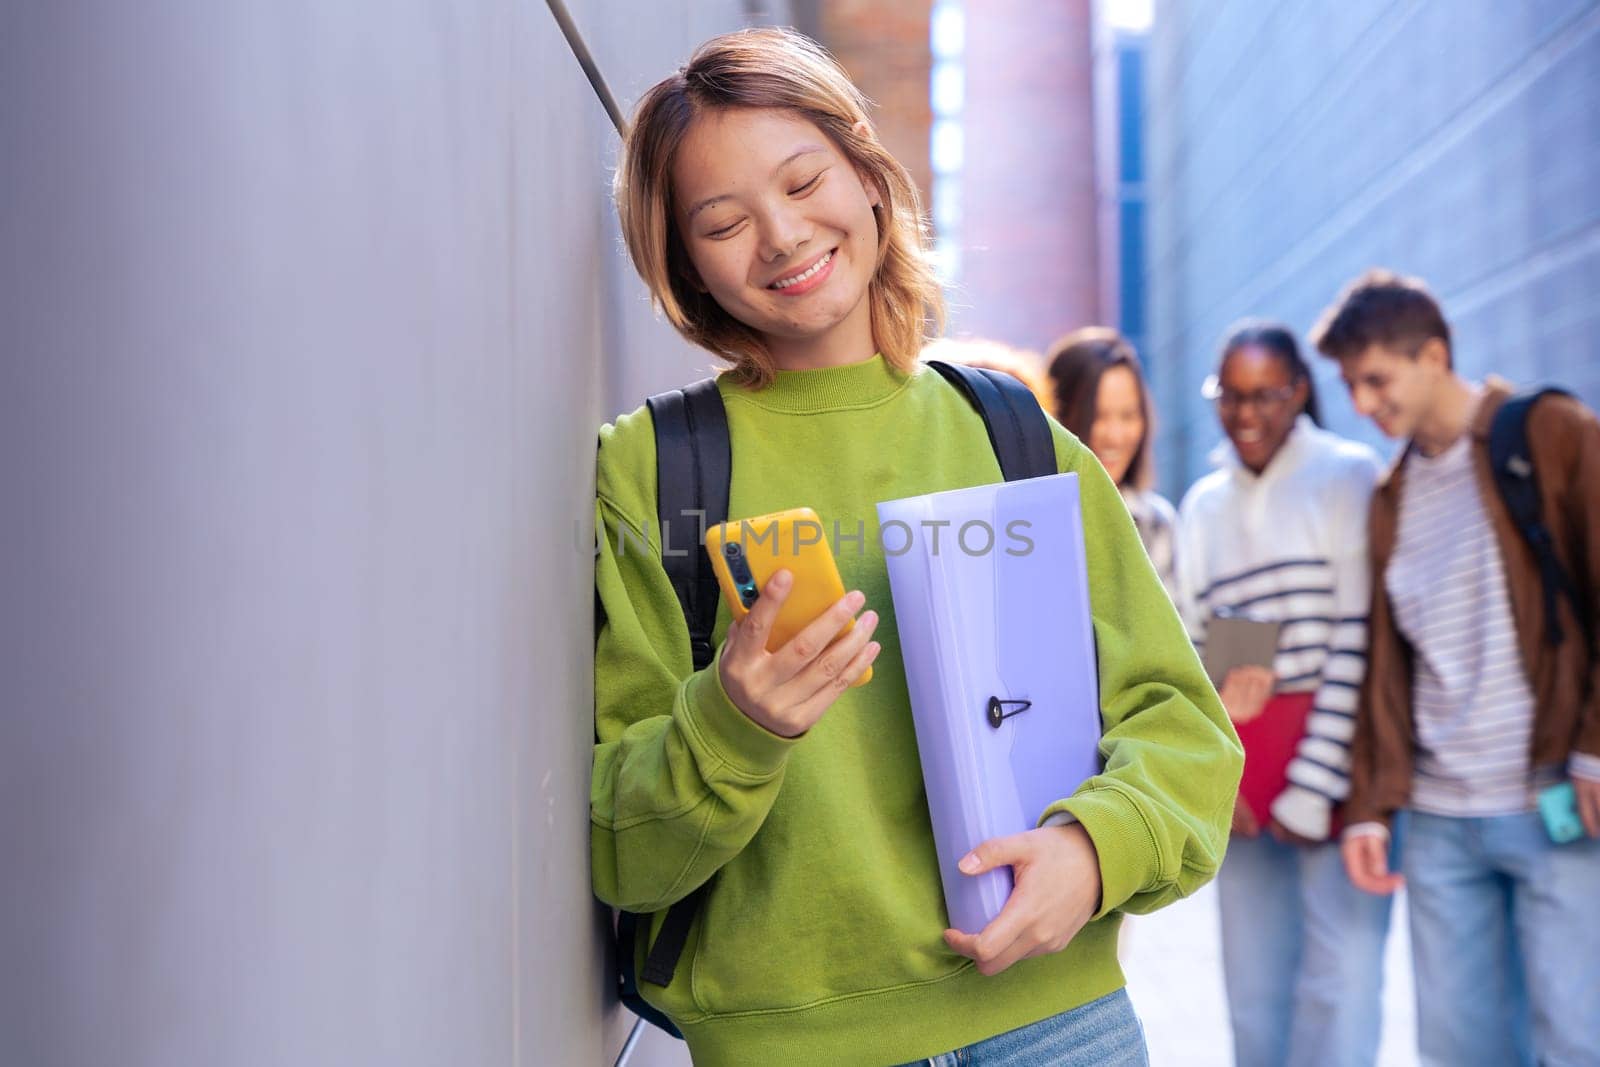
(1512, 463)
(694, 467)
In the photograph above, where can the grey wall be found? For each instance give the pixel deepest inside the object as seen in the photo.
(1291, 146)
(311, 312)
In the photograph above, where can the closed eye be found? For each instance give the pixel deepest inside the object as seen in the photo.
(808, 186)
(726, 230)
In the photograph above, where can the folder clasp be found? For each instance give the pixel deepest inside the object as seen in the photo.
(998, 712)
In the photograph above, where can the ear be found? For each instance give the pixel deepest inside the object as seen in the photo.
(1302, 394)
(1434, 355)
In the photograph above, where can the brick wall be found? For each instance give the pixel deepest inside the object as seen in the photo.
(883, 44)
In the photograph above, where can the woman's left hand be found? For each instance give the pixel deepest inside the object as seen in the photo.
(1057, 891)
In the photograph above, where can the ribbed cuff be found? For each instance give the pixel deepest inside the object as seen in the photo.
(726, 732)
(1303, 812)
(1365, 829)
(1582, 765)
(1129, 860)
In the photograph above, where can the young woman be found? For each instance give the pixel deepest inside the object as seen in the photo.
(1099, 394)
(1278, 533)
(774, 230)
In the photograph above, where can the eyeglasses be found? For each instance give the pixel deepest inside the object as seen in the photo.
(1229, 400)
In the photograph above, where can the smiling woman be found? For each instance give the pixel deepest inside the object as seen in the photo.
(782, 232)
(739, 177)
(1099, 394)
(761, 792)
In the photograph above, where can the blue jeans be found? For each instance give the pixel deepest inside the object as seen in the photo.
(1102, 1033)
(1505, 933)
(1302, 956)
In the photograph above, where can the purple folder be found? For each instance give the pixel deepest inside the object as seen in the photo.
(999, 654)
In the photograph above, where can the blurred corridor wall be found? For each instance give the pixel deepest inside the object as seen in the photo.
(1291, 146)
(1030, 266)
(311, 314)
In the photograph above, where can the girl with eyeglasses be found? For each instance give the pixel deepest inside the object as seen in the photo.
(1278, 533)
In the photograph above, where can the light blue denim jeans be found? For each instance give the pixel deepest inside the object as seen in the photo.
(1302, 956)
(1102, 1033)
(1505, 934)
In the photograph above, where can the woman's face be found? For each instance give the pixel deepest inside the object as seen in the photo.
(1118, 427)
(1258, 403)
(780, 230)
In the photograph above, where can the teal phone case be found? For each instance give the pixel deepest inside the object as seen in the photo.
(1558, 807)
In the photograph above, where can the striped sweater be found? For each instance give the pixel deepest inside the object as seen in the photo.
(1290, 545)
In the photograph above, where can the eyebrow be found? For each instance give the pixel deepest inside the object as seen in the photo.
(709, 201)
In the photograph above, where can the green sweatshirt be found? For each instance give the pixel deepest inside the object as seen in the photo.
(820, 941)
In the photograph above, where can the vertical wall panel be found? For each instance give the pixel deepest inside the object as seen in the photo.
(311, 313)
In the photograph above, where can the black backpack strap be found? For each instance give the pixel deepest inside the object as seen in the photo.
(627, 973)
(1017, 426)
(1512, 462)
(694, 467)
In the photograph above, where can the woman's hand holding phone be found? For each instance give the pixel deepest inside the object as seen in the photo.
(787, 690)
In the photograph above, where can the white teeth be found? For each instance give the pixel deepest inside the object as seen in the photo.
(809, 272)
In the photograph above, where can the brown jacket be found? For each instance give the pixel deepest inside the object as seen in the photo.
(1564, 438)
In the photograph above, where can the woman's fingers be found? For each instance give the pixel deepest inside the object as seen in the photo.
(787, 690)
(749, 634)
(815, 639)
(811, 708)
(828, 668)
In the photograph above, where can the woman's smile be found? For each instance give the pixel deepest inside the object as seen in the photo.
(807, 278)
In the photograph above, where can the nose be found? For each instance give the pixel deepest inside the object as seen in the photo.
(783, 233)
(1363, 400)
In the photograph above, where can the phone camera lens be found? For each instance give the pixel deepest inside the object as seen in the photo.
(731, 550)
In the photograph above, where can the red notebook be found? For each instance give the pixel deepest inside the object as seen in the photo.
(1270, 740)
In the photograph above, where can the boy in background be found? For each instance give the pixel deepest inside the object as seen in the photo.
(1472, 703)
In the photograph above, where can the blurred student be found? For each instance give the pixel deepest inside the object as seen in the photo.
(1098, 392)
(1278, 533)
(1472, 702)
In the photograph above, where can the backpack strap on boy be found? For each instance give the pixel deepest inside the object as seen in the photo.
(694, 469)
(1512, 462)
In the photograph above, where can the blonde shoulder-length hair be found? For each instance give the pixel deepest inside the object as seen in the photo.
(770, 68)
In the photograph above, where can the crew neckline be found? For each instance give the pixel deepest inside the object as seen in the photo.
(852, 385)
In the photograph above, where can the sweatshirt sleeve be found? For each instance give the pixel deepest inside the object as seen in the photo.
(1159, 811)
(1319, 773)
(682, 779)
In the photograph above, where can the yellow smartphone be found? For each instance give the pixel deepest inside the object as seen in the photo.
(746, 553)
